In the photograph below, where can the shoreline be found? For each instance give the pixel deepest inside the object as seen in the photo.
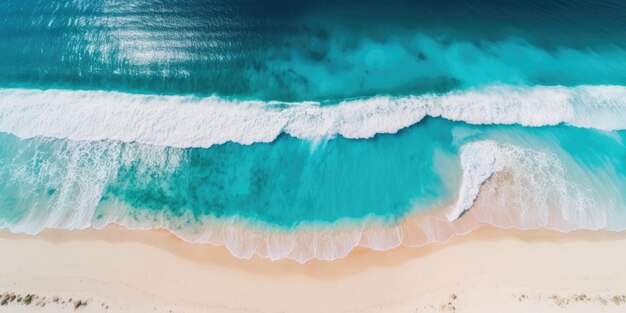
(137, 271)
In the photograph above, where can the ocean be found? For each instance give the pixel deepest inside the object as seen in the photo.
(303, 129)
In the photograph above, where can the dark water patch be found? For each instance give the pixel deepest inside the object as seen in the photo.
(307, 50)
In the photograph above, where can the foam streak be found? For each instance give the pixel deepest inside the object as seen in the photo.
(187, 121)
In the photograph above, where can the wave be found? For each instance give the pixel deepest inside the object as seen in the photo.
(188, 121)
(524, 181)
(503, 185)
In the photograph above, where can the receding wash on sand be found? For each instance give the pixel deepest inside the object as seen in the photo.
(309, 131)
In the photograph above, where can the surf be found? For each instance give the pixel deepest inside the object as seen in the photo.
(188, 121)
(424, 184)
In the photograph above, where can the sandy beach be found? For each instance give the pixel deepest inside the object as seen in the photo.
(489, 270)
(348, 156)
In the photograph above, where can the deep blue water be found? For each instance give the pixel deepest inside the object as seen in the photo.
(309, 50)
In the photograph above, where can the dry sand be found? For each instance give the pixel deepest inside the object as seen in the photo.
(489, 270)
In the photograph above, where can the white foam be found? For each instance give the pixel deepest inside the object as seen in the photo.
(187, 121)
(528, 188)
(78, 174)
(479, 161)
(503, 185)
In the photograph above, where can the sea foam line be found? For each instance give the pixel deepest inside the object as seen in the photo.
(503, 185)
(188, 121)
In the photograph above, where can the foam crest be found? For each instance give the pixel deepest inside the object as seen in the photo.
(532, 184)
(187, 121)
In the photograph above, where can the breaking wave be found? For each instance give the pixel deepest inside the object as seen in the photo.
(188, 121)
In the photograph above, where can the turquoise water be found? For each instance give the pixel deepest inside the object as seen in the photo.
(248, 119)
(289, 182)
(308, 50)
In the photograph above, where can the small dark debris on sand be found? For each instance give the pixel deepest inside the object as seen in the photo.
(619, 299)
(451, 305)
(564, 301)
(79, 303)
(8, 298)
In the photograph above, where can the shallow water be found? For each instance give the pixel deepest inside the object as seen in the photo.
(289, 182)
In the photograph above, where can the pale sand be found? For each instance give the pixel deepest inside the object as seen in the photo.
(151, 271)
